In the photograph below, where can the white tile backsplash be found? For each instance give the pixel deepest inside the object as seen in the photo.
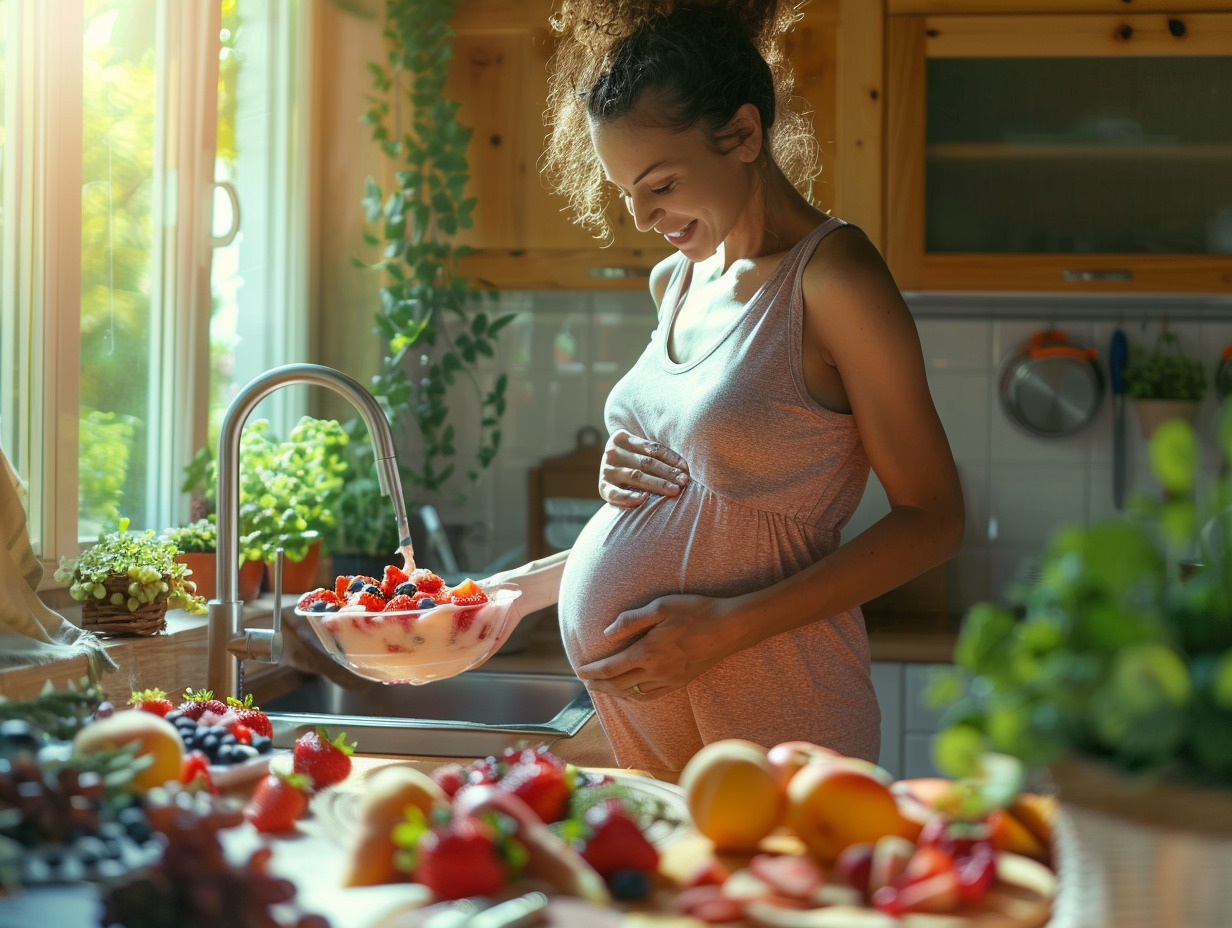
(566, 350)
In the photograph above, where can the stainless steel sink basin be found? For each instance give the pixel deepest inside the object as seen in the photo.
(471, 715)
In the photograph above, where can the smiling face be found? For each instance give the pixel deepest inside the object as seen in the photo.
(684, 185)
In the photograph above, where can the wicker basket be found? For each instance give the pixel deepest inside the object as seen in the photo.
(104, 618)
(1140, 855)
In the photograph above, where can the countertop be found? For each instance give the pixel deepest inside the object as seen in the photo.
(175, 660)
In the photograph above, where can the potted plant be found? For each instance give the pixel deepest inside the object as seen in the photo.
(1164, 383)
(288, 489)
(197, 543)
(1114, 673)
(127, 581)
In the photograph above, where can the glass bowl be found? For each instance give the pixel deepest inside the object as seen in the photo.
(417, 645)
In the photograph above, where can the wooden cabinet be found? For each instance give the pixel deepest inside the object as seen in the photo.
(522, 231)
(1084, 151)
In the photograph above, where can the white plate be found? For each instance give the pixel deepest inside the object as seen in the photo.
(225, 775)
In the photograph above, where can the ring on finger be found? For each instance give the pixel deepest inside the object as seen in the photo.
(636, 689)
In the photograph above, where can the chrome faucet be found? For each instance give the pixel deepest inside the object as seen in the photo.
(227, 643)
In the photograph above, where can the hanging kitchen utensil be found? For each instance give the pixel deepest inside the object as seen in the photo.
(1118, 355)
(1050, 386)
(1223, 374)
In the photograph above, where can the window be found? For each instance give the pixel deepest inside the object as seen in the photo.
(152, 170)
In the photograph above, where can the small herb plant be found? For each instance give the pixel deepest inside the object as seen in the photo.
(145, 558)
(1121, 652)
(200, 537)
(1166, 373)
(288, 488)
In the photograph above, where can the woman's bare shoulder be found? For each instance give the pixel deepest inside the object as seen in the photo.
(847, 270)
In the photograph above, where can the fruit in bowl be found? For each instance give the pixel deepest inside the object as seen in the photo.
(409, 627)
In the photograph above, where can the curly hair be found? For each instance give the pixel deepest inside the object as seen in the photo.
(702, 59)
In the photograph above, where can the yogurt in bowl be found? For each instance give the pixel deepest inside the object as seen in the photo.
(415, 645)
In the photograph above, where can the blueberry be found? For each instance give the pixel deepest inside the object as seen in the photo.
(319, 606)
(174, 716)
(210, 743)
(405, 589)
(372, 588)
(355, 585)
(262, 744)
(136, 824)
(225, 754)
(243, 752)
(227, 738)
(425, 602)
(629, 884)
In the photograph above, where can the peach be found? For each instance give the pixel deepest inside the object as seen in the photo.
(159, 746)
(732, 793)
(833, 804)
(789, 756)
(1010, 834)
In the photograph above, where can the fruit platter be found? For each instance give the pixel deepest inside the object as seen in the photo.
(409, 627)
(125, 805)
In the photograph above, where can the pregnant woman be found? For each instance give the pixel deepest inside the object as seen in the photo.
(712, 598)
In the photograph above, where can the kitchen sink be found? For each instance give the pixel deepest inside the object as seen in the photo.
(474, 714)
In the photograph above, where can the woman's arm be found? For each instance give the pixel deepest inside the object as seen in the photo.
(862, 354)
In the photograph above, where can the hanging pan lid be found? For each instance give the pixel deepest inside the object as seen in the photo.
(1050, 386)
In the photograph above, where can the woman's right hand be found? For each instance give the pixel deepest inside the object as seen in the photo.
(633, 468)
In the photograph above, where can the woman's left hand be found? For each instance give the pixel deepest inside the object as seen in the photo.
(668, 643)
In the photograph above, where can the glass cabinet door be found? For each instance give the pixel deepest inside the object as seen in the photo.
(1066, 150)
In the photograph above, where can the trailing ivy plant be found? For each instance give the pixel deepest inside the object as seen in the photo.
(435, 328)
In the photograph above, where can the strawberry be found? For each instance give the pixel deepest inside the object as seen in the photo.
(796, 876)
(278, 802)
(371, 601)
(195, 773)
(463, 619)
(461, 859)
(152, 701)
(401, 603)
(426, 581)
(615, 841)
(394, 577)
(467, 593)
(329, 597)
(243, 734)
(197, 704)
(542, 781)
(250, 716)
(326, 762)
(358, 582)
(341, 582)
(450, 778)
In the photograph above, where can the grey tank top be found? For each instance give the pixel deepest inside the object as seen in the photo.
(775, 476)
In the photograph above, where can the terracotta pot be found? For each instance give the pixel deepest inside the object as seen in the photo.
(297, 576)
(1153, 413)
(204, 567)
(252, 574)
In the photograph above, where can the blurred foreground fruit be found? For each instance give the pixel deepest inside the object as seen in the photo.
(156, 738)
(733, 794)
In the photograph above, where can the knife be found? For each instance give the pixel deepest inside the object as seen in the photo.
(1118, 354)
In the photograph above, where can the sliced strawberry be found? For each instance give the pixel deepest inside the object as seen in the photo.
(450, 778)
(317, 596)
(463, 619)
(796, 875)
(394, 577)
(708, 904)
(426, 581)
(467, 593)
(341, 582)
(195, 773)
(369, 602)
(977, 872)
(401, 603)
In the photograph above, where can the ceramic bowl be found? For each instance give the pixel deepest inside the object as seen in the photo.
(419, 645)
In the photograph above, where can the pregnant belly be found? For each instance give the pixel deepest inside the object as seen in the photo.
(696, 543)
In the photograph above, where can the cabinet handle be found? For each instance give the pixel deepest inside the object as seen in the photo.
(1088, 275)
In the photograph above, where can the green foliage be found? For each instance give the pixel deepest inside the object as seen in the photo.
(288, 489)
(1121, 651)
(1166, 373)
(435, 330)
(200, 537)
(147, 559)
(104, 440)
